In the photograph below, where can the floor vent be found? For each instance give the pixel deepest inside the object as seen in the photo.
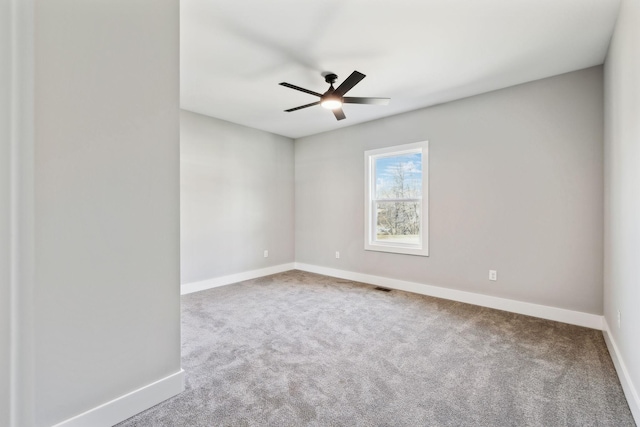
(380, 288)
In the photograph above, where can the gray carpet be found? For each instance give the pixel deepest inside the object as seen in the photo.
(299, 349)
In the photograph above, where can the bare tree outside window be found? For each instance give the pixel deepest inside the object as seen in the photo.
(398, 193)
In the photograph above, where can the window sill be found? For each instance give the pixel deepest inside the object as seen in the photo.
(397, 249)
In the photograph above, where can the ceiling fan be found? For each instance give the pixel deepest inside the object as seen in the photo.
(333, 99)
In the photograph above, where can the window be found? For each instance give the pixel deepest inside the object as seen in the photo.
(396, 199)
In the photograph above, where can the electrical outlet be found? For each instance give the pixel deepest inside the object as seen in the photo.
(493, 275)
(266, 253)
(619, 318)
(337, 254)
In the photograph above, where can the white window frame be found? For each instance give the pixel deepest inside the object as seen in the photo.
(370, 242)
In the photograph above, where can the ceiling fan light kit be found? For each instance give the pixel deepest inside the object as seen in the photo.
(331, 103)
(333, 99)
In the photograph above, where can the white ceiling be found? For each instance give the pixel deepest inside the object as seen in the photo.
(416, 52)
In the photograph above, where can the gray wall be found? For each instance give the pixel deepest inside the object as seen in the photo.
(16, 207)
(5, 170)
(106, 295)
(622, 187)
(236, 196)
(516, 185)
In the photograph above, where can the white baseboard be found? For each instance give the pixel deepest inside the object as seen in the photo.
(588, 320)
(128, 405)
(188, 288)
(630, 392)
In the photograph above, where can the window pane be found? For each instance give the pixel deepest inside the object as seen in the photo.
(398, 177)
(398, 222)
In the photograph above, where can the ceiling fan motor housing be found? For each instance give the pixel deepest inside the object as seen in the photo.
(330, 78)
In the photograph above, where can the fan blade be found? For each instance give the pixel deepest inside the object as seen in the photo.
(339, 114)
(349, 83)
(302, 106)
(301, 89)
(370, 101)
